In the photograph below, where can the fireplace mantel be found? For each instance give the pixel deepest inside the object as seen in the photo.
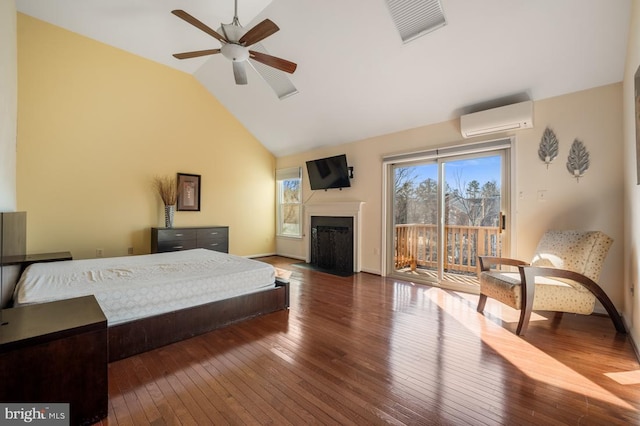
(339, 209)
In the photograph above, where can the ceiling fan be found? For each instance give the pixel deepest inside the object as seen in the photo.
(236, 43)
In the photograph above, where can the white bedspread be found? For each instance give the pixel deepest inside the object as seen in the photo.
(132, 287)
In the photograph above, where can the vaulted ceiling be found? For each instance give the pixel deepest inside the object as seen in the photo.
(355, 78)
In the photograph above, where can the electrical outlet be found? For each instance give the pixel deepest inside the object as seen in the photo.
(130, 250)
(542, 195)
(99, 252)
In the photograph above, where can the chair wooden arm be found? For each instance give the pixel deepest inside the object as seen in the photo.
(528, 274)
(485, 262)
(484, 265)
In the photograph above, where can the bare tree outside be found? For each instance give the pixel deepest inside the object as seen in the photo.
(290, 206)
(471, 204)
(404, 193)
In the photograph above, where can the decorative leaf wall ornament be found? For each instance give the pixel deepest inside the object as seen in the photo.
(578, 160)
(548, 149)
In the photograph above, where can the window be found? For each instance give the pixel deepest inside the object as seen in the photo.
(289, 190)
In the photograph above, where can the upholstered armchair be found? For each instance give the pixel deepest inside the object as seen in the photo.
(562, 277)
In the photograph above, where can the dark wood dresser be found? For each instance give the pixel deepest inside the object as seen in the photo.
(174, 239)
(56, 352)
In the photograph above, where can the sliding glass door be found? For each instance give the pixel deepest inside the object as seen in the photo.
(444, 210)
(416, 188)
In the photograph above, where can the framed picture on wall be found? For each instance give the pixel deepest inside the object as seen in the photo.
(188, 192)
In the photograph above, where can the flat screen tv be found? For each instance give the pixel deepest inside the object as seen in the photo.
(327, 173)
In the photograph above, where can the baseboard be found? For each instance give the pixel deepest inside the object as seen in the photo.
(253, 256)
(634, 345)
(291, 256)
(371, 271)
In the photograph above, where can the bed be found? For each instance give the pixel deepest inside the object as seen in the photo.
(157, 299)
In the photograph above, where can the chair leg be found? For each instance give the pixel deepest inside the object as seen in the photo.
(618, 323)
(557, 317)
(523, 323)
(527, 288)
(481, 302)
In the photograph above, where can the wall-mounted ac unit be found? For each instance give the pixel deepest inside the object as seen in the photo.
(510, 117)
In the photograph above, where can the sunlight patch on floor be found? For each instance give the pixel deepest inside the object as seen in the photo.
(525, 356)
(625, 377)
(505, 313)
(282, 273)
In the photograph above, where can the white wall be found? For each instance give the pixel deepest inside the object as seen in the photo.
(8, 104)
(632, 190)
(595, 202)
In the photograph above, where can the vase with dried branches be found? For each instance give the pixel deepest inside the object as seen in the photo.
(167, 188)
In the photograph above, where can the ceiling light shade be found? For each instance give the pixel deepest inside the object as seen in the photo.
(235, 52)
(415, 18)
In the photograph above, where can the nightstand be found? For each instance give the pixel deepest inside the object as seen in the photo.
(56, 352)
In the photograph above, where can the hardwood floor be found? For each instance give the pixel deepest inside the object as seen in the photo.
(368, 350)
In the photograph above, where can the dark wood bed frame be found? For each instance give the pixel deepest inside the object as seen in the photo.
(148, 333)
(152, 332)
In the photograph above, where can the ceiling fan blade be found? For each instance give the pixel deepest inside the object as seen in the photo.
(261, 31)
(272, 61)
(193, 21)
(277, 80)
(239, 72)
(195, 54)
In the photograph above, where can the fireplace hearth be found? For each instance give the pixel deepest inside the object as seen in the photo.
(332, 244)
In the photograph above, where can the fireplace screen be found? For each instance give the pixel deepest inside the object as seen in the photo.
(332, 243)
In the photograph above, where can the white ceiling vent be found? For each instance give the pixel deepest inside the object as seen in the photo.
(510, 117)
(415, 18)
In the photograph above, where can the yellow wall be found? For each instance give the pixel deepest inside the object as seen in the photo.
(595, 202)
(96, 124)
(8, 105)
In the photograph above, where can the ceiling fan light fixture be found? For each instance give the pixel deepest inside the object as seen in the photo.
(235, 45)
(234, 52)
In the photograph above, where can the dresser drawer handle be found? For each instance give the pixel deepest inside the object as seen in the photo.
(178, 235)
(214, 233)
(213, 244)
(178, 247)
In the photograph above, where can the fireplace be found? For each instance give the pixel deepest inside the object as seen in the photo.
(336, 210)
(332, 244)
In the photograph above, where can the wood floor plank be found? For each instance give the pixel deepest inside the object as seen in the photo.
(193, 385)
(168, 396)
(372, 350)
(251, 366)
(139, 404)
(287, 382)
(361, 392)
(227, 403)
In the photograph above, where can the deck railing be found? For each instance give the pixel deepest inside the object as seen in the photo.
(416, 245)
